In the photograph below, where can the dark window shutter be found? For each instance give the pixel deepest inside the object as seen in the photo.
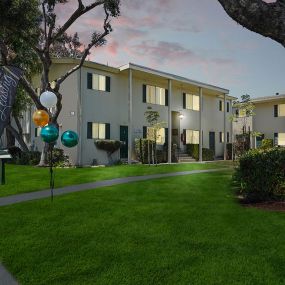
(166, 97)
(107, 131)
(144, 93)
(89, 130)
(166, 135)
(144, 132)
(228, 137)
(221, 137)
(275, 138)
(228, 106)
(184, 137)
(275, 110)
(108, 83)
(89, 80)
(184, 100)
(220, 105)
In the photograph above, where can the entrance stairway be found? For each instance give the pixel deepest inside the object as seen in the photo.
(184, 157)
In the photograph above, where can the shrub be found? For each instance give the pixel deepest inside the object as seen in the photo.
(242, 144)
(141, 149)
(110, 146)
(261, 174)
(25, 158)
(208, 154)
(59, 159)
(193, 150)
(229, 151)
(267, 143)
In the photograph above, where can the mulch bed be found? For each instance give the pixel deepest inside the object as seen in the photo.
(270, 206)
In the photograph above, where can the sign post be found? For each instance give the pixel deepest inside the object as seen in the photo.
(4, 155)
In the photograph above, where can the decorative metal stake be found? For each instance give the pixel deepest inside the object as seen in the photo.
(51, 183)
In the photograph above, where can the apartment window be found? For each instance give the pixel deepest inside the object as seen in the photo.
(98, 82)
(160, 135)
(279, 110)
(155, 95)
(221, 105)
(228, 107)
(98, 131)
(279, 139)
(38, 132)
(192, 137)
(191, 102)
(221, 137)
(228, 137)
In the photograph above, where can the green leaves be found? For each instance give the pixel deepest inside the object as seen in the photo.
(261, 174)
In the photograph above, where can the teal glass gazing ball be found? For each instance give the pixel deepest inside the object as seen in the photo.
(69, 138)
(49, 133)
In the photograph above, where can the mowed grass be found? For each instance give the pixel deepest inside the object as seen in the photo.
(22, 179)
(179, 230)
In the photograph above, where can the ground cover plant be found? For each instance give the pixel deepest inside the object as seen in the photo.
(179, 230)
(22, 179)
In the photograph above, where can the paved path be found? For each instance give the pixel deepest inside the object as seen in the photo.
(93, 185)
(6, 278)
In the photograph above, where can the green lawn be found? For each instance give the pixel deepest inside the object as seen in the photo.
(22, 179)
(179, 230)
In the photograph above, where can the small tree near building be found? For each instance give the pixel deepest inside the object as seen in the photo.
(152, 117)
(243, 117)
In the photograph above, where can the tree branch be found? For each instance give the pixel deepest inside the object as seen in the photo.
(81, 10)
(30, 90)
(94, 42)
(267, 19)
(18, 137)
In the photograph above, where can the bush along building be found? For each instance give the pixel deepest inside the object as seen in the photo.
(106, 103)
(267, 123)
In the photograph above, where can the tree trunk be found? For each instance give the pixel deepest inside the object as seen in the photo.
(267, 19)
(44, 155)
(18, 137)
(10, 139)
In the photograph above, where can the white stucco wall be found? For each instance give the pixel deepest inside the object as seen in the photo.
(112, 107)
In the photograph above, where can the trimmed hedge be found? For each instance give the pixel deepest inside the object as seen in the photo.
(110, 146)
(193, 150)
(261, 173)
(141, 149)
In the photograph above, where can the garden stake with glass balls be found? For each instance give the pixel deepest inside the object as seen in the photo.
(49, 132)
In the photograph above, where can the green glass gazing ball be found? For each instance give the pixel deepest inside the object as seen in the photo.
(49, 133)
(69, 139)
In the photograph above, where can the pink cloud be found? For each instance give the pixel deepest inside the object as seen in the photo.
(112, 48)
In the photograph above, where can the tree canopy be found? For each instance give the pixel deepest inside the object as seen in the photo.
(31, 36)
(267, 19)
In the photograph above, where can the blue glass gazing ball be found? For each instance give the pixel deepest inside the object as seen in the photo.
(49, 133)
(69, 138)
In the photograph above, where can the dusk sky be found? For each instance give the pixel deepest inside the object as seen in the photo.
(191, 38)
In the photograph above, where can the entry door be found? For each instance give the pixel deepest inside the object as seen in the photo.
(124, 139)
(212, 143)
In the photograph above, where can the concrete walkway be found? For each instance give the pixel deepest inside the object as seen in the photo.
(6, 278)
(93, 185)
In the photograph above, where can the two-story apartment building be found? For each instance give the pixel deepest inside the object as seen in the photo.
(268, 120)
(103, 102)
